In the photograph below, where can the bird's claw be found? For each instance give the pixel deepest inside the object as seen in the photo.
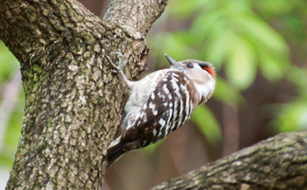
(122, 61)
(115, 71)
(117, 53)
(121, 64)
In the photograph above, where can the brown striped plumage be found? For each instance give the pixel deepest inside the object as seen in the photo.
(161, 103)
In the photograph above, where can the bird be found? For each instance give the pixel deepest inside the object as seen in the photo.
(160, 103)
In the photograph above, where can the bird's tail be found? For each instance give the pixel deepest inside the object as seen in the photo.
(115, 150)
(122, 144)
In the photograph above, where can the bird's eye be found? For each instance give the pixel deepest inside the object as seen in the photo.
(190, 65)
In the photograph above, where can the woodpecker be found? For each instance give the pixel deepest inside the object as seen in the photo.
(160, 103)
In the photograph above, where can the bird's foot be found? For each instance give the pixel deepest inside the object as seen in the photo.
(122, 62)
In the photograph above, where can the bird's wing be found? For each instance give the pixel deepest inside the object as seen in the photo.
(168, 107)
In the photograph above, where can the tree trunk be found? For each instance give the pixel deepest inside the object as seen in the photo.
(73, 102)
(277, 163)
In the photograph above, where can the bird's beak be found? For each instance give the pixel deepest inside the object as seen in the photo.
(173, 62)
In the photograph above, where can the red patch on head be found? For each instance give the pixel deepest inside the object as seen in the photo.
(210, 71)
(206, 66)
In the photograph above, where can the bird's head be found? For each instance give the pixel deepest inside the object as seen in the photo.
(193, 68)
(201, 73)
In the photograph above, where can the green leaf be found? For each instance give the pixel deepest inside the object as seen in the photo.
(8, 63)
(262, 34)
(207, 124)
(271, 67)
(226, 93)
(292, 116)
(279, 7)
(188, 8)
(208, 23)
(299, 77)
(241, 67)
(219, 48)
(177, 46)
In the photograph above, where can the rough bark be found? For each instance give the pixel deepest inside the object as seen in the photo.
(133, 14)
(277, 163)
(73, 101)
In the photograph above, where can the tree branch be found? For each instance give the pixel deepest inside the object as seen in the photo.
(73, 101)
(136, 16)
(276, 163)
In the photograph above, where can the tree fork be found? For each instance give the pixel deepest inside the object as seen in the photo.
(73, 101)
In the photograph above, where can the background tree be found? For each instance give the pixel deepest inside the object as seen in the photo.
(260, 91)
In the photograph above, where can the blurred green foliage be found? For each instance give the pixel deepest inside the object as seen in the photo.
(8, 63)
(241, 37)
(11, 126)
(208, 125)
